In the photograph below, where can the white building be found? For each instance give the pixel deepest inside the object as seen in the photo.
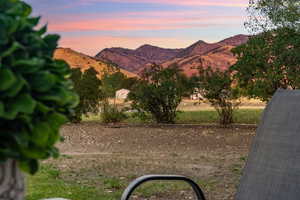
(196, 95)
(122, 94)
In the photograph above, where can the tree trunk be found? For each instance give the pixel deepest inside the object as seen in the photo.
(11, 181)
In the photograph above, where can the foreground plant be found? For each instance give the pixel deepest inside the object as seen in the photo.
(35, 96)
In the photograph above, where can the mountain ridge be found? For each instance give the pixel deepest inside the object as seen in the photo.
(79, 60)
(135, 60)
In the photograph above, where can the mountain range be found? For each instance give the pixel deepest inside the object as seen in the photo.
(132, 62)
(216, 55)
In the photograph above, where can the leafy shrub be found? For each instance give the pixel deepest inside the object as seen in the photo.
(35, 94)
(111, 114)
(160, 92)
(217, 88)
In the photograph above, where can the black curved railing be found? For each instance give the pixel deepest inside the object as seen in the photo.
(137, 182)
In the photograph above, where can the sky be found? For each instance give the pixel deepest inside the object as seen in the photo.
(88, 26)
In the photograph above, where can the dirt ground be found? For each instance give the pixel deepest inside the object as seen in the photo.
(211, 155)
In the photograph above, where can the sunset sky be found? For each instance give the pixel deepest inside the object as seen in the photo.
(89, 26)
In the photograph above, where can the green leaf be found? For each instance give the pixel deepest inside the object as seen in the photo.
(34, 20)
(24, 103)
(42, 30)
(29, 65)
(56, 120)
(51, 40)
(15, 88)
(43, 108)
(21, 138)
(16, 46)
(29, 166)
(7, 79)
(1, 109)
(54, 137)
(33, 152)
(58, 95)
(55, 152)
(42, 81)
(41, 133)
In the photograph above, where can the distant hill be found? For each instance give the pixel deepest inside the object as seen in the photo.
(134, 60)
(82, 61)
(216, 55)
(220, 57)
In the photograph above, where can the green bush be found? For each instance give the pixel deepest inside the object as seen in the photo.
(35, 94)
(111, 114)
(160, 92)
(217, 87)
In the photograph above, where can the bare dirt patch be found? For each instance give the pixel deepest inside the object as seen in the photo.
(211, 155)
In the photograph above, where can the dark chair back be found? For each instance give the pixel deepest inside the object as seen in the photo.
(272, 171)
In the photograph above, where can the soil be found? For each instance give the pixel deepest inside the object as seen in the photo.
(211, 155)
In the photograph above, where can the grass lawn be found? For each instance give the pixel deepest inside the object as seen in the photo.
(49, 183)
(241, 116)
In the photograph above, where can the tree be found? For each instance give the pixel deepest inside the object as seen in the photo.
(35, 96)
(217, 87)
(112, 81)
(160, 92)
(265, 15)
(76, 75)
(268, 61)
(88, 86)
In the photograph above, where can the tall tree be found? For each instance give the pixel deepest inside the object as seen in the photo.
(270, 59)
(266, 15)
(88, 86)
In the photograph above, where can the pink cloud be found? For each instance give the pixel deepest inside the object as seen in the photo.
(232, 3)
(122, 23)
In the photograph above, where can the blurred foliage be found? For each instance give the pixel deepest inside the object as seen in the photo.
(35, 92)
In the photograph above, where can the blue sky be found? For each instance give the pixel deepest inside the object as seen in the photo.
(89, 26)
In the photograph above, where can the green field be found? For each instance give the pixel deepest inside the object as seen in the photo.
(49, 183)
(241, 116)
